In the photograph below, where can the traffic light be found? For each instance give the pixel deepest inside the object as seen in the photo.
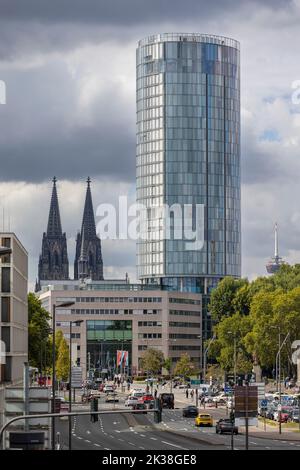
(158, 413)
(231, 416)
(94, 407)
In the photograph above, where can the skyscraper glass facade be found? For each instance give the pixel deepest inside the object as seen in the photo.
(188, 153)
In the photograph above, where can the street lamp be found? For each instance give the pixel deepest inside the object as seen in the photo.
(234, 355)
(77, 323)
(54, 307)
(205, 356)
(278, 361)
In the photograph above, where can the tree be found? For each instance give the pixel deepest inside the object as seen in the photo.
(230, 333)
(223, 296)
(63, 359)
(184, 366)
(39, 344)
(168, 365)
(153, 361)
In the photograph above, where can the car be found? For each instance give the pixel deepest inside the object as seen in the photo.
(139, 406)
(137, 394)
(108, 389)
(167, 400)
(226, 426)
(131, 401)
(111, 398)
(147, 397)
(190, 411)
(204, 419)
(295, 416)
(284, 416)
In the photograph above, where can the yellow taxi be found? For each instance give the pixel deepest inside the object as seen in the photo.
(204, 419)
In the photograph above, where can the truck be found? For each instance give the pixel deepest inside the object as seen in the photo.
(167, 400)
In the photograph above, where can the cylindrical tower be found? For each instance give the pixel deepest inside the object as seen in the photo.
(188, 153)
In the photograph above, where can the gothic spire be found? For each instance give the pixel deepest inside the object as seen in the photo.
(88, 221)
(54, 223)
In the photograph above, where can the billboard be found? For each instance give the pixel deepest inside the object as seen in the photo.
(122, 358)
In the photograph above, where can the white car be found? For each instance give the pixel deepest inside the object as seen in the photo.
(108, 389)
(131, 401)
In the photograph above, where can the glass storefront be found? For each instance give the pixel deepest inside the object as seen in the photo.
(104, 339)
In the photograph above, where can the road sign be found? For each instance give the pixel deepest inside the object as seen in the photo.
(242, 422)
(264, 403)
(228, 389)
(195, 382)
(76, 377)
(245, 401)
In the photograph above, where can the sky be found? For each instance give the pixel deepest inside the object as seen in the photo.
(69, 70)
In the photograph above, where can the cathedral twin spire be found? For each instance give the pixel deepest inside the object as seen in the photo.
(53, 261)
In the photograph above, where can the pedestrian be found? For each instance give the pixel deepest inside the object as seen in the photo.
(187, 393)
(155, 394)
(192, 394)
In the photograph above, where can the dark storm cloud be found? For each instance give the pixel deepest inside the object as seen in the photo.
(121, 12)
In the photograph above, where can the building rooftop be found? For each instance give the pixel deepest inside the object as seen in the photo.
(190, 37)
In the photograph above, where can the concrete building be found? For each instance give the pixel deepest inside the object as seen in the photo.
(121, 316)
(13, 313)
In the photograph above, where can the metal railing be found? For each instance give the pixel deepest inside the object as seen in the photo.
(73, 413)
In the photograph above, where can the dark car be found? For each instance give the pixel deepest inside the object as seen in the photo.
(140, 407)
(226, 425)
(167, 400)
(190, 411)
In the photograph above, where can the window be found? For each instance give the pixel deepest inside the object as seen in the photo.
(5, 280)
(5, 336)
(5, 309)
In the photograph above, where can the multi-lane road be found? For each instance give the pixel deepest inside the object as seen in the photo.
(139, 432)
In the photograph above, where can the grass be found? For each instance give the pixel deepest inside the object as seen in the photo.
(270, 422)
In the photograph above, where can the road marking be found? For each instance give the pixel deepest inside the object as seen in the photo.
(254, 443)
(88, 432)
(173, 445)
(131, 443)
(122, 440)
(107, 448)
(86, 440)
(142, 435)
(78, 437)
(98, 445)
(153, 438)
(141, 447)
(268, 447)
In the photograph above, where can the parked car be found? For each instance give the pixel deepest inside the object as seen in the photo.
(190, 411)
(147, 397)
(226, 426)
(108, 389)
(295, 416)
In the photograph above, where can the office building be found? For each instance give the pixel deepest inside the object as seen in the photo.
(13, 313)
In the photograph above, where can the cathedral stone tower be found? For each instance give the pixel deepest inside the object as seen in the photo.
(53, 261)
(88, 259)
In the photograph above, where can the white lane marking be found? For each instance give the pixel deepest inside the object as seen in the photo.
(122, 440)
(86, 440)
(268, 447)
(153, 438)
(254, 443)
(116, 430)
(78, 437)
(88, 432)
(141, 447)
(142, 435)
(174, 445)
(98, 445)
(106, 448)
(131, 443)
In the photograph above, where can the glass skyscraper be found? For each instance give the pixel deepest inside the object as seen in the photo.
(188, 153)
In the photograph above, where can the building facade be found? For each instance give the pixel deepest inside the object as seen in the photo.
(129, 317)
(188, 154)
(13, 313)
(53, 261)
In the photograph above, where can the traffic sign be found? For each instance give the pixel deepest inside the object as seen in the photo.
(195, 381)
(76, 377)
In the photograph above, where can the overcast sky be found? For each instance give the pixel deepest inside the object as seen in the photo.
(69, 69)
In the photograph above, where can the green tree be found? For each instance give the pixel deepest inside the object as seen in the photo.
(63, 360)
(223, 296)
(153, 361)
(184, 366)
(168, 365)
(230, 333)
(39, 343)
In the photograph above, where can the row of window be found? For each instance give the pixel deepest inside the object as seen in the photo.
(187, 313)
(92, 311)
(149, 335)
(150, 323)
(184, 324)
(175, 300)
(118, 299)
